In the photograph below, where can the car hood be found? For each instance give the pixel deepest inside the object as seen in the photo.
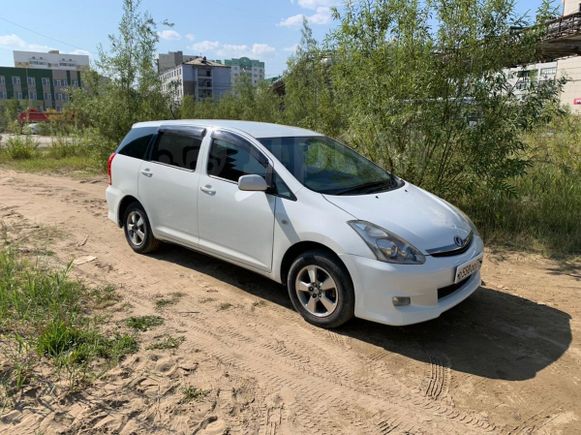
(419, 217)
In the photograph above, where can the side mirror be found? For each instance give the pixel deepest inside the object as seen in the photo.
(252, 183)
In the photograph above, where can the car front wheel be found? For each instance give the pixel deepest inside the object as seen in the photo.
(320, 289)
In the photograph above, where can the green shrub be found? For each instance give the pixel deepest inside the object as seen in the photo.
(20, 148)
(544, 208)
(62, 147)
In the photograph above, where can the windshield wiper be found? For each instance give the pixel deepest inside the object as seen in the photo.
(370, 187)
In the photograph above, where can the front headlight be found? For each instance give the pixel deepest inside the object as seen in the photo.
(387, 246)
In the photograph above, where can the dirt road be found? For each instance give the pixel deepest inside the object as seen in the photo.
(508, 360)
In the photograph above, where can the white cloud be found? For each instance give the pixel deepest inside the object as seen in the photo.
(315, 4)
(322, 15)
(293, 21)
(292, 49)
(80, 51)
(15, 42)
(262, 49)
(190, 36)
(169, 35)
(233, 50)
(205, 46)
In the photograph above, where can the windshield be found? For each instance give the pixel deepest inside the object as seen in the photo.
(327, 166)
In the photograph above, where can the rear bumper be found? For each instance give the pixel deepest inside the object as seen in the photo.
(113, 197)
(376, 283)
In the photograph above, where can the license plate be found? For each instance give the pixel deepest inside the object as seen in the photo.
(465, 270)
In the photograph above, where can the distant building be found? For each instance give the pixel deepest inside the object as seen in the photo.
(172, 59)
(253, 69)
(522, 78)
(53, 60)
(41, 80)
(198, 78)
(570, 67)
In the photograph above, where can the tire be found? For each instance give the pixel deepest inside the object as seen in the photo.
(138, 230)
(324, 303)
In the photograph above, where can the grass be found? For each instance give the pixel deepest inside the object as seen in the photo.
(63, 147)
(83, 153)
(544, 213)
(20, 148)
(166, 342)
(163, 302)
(48, 317)
(192, 393)
(143, 323)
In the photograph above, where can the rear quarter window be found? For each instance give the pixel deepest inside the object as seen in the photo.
(135, 143)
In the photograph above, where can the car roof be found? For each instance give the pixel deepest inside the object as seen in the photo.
(253, 128)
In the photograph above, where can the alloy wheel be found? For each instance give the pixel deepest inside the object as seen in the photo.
(136, 228)
(316, 291)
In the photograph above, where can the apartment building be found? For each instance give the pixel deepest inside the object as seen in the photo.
(53, 60)
(42, 80)
(198, 78)
(251, 68)
(171, 59)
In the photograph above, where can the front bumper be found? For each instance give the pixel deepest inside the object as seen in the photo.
(376, 283)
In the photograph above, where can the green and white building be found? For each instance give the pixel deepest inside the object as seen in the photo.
(253, 69)
(41, 80)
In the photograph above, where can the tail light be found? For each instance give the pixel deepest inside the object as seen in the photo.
(109, 163)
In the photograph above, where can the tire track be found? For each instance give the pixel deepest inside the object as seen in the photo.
(438, 379)
(343, 387)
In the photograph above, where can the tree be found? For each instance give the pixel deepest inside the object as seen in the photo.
(309, 100)
(9, 110)
(424, 90)
(125, 87)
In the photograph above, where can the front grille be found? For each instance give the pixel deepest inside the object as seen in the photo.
(449, 289)
(452, 250)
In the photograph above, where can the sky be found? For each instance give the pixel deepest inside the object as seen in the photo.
(268, 30)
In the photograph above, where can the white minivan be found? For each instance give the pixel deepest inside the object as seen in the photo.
(346, 237)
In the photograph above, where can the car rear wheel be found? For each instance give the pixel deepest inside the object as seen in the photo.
(138, 230)
(320, 289)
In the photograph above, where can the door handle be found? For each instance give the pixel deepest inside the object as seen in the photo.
(208, 189)
(147, 173)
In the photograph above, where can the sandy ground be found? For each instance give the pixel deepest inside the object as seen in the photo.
(508, 360)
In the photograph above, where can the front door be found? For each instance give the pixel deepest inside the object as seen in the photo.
(232, 223)
(168, 185)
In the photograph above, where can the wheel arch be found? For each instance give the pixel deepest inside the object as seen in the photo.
(123, 204)
(300, 247)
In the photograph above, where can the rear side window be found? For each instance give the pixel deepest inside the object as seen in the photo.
(136, 142)
(177, 149)
(231, 157)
